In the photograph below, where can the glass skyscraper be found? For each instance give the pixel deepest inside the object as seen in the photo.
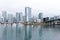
(40, 16)
(10, 18)
(4, 15)
(18, 16)
(27, 14)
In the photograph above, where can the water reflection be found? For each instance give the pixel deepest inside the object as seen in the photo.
(4, 37)
(18, 32)
(29, 32)
(40, 32)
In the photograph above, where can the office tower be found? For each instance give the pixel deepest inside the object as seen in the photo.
(27, 14)
(18, 16)
(10, 18)
(23, 19)
(14, 19)
(2, 20)
(4, 15)
(40, 16)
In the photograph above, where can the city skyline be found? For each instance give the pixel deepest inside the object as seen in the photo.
(6, 13)
(10, 18)
(47, 7)
(17, 12)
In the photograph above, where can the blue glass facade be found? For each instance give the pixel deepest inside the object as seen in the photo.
(27, 14)
(40, 16)
(19, 16)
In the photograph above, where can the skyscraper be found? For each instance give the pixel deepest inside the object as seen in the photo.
(4, 15)
(18, 16)
(10, 18)
(23, 19)
(14, 19)
(40, 16)
(27, 14)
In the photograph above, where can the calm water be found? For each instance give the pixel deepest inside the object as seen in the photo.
(29, 32)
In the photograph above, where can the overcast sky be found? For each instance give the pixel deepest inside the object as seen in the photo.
(47, 7)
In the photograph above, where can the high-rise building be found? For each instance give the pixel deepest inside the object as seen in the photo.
(14, 19)
(10, 18)
(27, 14)
(18, 16)
(23, 19)
(40, 16)
(4, 15)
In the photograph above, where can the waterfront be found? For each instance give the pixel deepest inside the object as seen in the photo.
(29, 32)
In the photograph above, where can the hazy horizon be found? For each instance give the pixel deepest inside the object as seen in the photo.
(47, 7)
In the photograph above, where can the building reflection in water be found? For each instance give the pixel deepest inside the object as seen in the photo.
(40, 32)
(4, 34)
(28, 32)
(18, 32)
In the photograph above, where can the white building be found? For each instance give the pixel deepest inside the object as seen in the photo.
(4, 14)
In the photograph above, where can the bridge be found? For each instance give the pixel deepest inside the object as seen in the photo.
(52, 21)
